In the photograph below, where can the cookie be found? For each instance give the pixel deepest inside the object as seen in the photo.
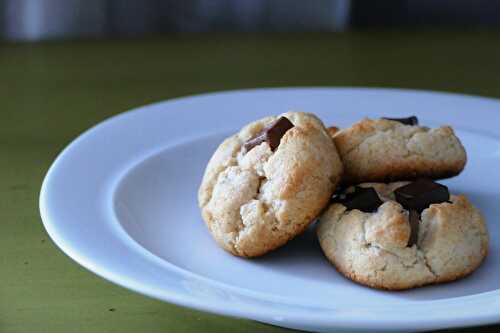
(384, 150)
(267, 183)
(392, 247)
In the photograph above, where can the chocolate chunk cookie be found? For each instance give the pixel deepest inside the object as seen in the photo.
(384, 150)
(267, 183)
(418, 235)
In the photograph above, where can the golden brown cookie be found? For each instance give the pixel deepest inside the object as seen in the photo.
(257, 194)
(372, 248)
(382, 150)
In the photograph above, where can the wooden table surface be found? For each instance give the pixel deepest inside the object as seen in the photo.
(51, 92)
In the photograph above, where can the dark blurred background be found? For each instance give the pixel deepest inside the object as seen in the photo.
(55, 19)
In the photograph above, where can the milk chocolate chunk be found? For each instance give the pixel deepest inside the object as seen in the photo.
(272, 134)
(414, 219)
(420, 194)
(365, 199)
(405, 121)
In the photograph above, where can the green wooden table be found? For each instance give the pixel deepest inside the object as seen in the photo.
(51, 92)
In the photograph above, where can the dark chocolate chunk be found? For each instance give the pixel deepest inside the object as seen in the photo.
(365, 199)
(255, 141)
(272, 134)
(420, 194)
(405, 121)
(414, 218)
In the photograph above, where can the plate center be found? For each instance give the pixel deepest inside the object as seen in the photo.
(156, 204)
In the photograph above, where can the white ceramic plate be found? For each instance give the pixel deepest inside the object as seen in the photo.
(121, 200)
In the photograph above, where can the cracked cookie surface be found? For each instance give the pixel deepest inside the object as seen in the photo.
(382, 150)
(255, 201)
(371, 248)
